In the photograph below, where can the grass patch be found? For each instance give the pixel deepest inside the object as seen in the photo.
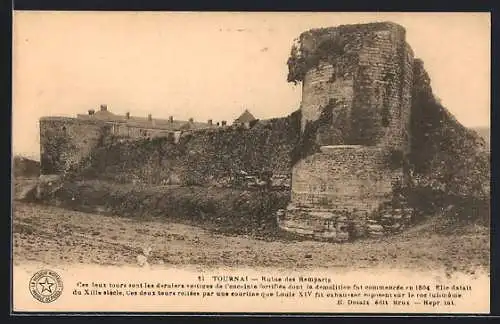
(226, 210)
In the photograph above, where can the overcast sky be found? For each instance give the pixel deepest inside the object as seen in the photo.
(213, 65)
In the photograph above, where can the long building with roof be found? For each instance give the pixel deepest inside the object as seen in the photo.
(135, 126)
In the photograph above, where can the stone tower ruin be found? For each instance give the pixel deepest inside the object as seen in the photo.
(356, 103)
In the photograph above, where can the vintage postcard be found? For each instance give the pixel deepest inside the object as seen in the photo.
(237, 162)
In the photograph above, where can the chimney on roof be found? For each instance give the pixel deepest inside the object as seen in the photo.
(104, 107)
(171, 119)
(127, 115)
(91, 112)
(210, 122)
(191, 120)
(150, 117)
(224, 123)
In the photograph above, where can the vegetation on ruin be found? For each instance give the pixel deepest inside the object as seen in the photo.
(336, 45)
(395, 159)
(450, 163)
(317, 45)
(232, 210)
(199, 158)
(57, 147)
(307, 144)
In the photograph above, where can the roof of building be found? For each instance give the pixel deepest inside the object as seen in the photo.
(245, 117)
(106, 115)
(144, 122)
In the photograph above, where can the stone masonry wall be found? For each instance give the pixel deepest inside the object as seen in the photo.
(344, 177)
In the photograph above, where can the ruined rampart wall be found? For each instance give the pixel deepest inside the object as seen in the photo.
(197, 157)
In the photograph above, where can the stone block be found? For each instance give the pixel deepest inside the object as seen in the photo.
(376, 234)
(375, 228)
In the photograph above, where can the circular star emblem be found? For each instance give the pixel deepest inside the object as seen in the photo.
(46, 286)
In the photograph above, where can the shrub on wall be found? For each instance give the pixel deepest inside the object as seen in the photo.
(450, 164)
(321, 45)
(307, 144)
(231, 210)
(395, 158)
(200, 157)
(336, 45)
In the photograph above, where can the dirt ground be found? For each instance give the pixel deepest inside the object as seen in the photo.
(53, 235)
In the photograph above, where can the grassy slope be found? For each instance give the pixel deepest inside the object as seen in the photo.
(53, 235)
